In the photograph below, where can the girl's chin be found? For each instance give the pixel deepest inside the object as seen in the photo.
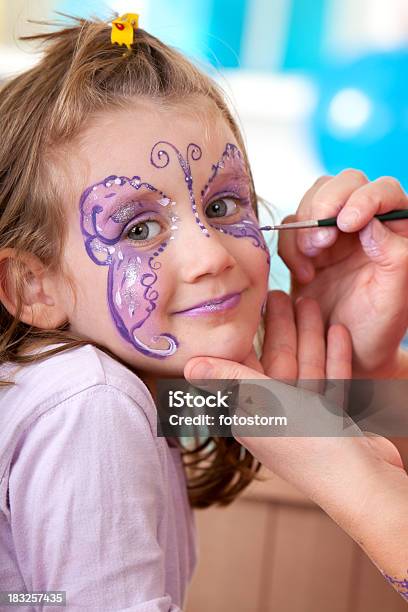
(235, 352)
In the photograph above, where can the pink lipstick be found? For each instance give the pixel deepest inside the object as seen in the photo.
(216, 305)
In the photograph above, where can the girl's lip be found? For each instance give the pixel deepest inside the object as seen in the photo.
(217, 305)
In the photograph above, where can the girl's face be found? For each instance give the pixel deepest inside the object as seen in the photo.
(163, 244)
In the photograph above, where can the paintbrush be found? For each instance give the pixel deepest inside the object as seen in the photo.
(332, 221)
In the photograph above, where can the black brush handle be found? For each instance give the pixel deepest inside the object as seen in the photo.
(389, 216)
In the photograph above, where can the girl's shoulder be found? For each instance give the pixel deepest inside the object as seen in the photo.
(57, 377)
(73, 380)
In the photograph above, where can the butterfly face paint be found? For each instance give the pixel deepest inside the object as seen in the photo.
(115, 209)
(133, 272)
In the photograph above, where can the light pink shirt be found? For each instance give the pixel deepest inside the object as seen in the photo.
(92, 502)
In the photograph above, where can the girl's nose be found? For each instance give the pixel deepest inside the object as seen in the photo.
(198, 254)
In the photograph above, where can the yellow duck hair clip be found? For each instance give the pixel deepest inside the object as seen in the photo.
(123, 28)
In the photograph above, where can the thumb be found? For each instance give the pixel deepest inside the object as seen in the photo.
(215, 368)
(384, 247)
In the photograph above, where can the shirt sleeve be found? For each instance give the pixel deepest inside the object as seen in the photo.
(86, 497)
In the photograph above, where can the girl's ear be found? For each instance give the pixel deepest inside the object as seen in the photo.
(26, 277)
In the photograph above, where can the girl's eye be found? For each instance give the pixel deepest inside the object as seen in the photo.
(223, 207)
(145, 230)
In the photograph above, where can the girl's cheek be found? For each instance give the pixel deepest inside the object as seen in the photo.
(133, 274)
(248, 227)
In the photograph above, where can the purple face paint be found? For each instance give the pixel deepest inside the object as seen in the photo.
(163, 159)
(107, 206)
(400, 585)
(229, 179)
(132, 272)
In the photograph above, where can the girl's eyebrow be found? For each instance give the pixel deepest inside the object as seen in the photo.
(126, 206)
(224, 175)
(237, 172)
(139, 196)
(233, 174)
(231, 165)
(116, 184)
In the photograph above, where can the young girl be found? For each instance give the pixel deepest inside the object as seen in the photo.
(129, 244)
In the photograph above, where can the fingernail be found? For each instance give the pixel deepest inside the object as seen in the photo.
(320, 237)
(372, 234)
(366, 235)
(299, 299)
(202, 369)
(308, 247)
(348, 218)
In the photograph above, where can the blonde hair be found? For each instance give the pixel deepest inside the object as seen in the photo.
(82, 73)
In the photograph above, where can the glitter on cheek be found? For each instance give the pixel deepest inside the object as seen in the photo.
(164, 201)
(132, 274)
(175, 220)
(136, 298)
(127, 290)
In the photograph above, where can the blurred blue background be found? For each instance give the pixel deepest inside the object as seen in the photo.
(318, 85)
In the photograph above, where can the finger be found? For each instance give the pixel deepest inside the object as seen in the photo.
(386, 248)
(339, 353)
(313, 241)
(303, 212)
(338, 365)
(288, 250)
(253, 362)
(213, 368)
(326, 202)
(398, 226)
(280, 342)
(379, 196)
(305, 207)
(311, 352)
(389, 252)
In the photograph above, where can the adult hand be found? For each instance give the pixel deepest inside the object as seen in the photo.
(357, 271)
(358, 480)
